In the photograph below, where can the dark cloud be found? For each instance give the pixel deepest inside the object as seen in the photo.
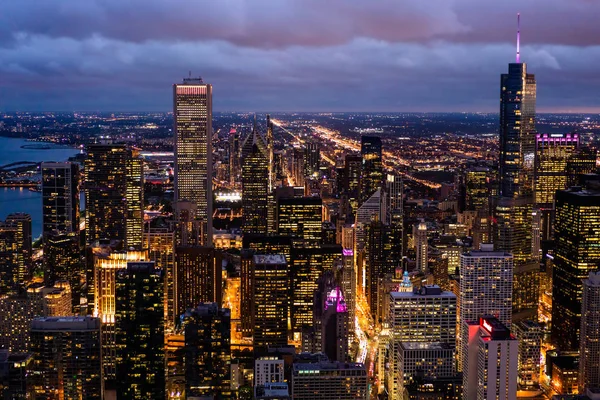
(294, 55)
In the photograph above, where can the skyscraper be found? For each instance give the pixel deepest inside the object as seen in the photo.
(529, 335)
(255, 184)
(15, 251)
(270, 144)
(372, 166)
(134, 195)
(334, 326)
(589, 347)
(113, 194)
(576, 232)
(160, 242)
(301, 218)
(352, 173)
(324, 380)
(425, 315)
(552, 153)
(486, 287)
(139, 331)
(517, 130)
(379, 262)
(67, 360)
(312, 158)
(271, 300)
(60, 197)
(192, 111)
(490, 360)
(62, 261)
(421, 246)
(207, 332)
(197, 277)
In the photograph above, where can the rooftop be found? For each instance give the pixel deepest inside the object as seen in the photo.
(269, 259)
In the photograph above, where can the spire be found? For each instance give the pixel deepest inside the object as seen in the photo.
(518, 38)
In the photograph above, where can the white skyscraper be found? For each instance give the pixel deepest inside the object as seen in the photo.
(192, 114)
(490, 360)
(425, 315)
(589, 345)
(421, 246)
(486, 278)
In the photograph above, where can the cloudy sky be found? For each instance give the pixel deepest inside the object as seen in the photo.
(295, 55)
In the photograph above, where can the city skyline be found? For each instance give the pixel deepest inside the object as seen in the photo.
(104, 56)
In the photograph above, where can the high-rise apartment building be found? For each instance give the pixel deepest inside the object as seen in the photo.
(207, 332)
(60, 197)
(67, 358)
(271, 300)
(139, 331)
(589, 346)
(372, 166)
(192, 112)
(576, 254)
(486, 287)
(197, 277)
(114, 194)
(255, 184)
(15, 251)
(490, 360)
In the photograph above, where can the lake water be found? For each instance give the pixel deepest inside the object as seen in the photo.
(22, 199)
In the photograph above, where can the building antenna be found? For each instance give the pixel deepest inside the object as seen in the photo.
(518, 38)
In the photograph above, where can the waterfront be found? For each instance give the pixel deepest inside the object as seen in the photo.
(22, 199)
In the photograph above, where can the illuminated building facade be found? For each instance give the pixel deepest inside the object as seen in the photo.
(139, 331)
(425, 315)
(15, 251)
(66, 358)
(372, 166)
(312, 158)
(326, 380)
(427, 360)
(301, 218)
(255, 184)
(60, 197)
(352, 173)
(589, 346)
(379, 262)
(421, 246)
(105, 190)
(334, 326)
(517, 131)
(490, 360)
(477, 181)
(134, 196)
(577, 233)
(234, 156)
(160, 242)
(106, 264)
(62, 261)
(529, 335)
(207, 333)
(192, 111)
(582, 162)
(15, 375)
(307, 264)
(271, 300)
(486, 287)
(197, 277)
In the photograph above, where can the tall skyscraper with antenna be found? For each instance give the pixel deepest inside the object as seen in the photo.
(513, 208)
(192, 114)
(517, 128)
